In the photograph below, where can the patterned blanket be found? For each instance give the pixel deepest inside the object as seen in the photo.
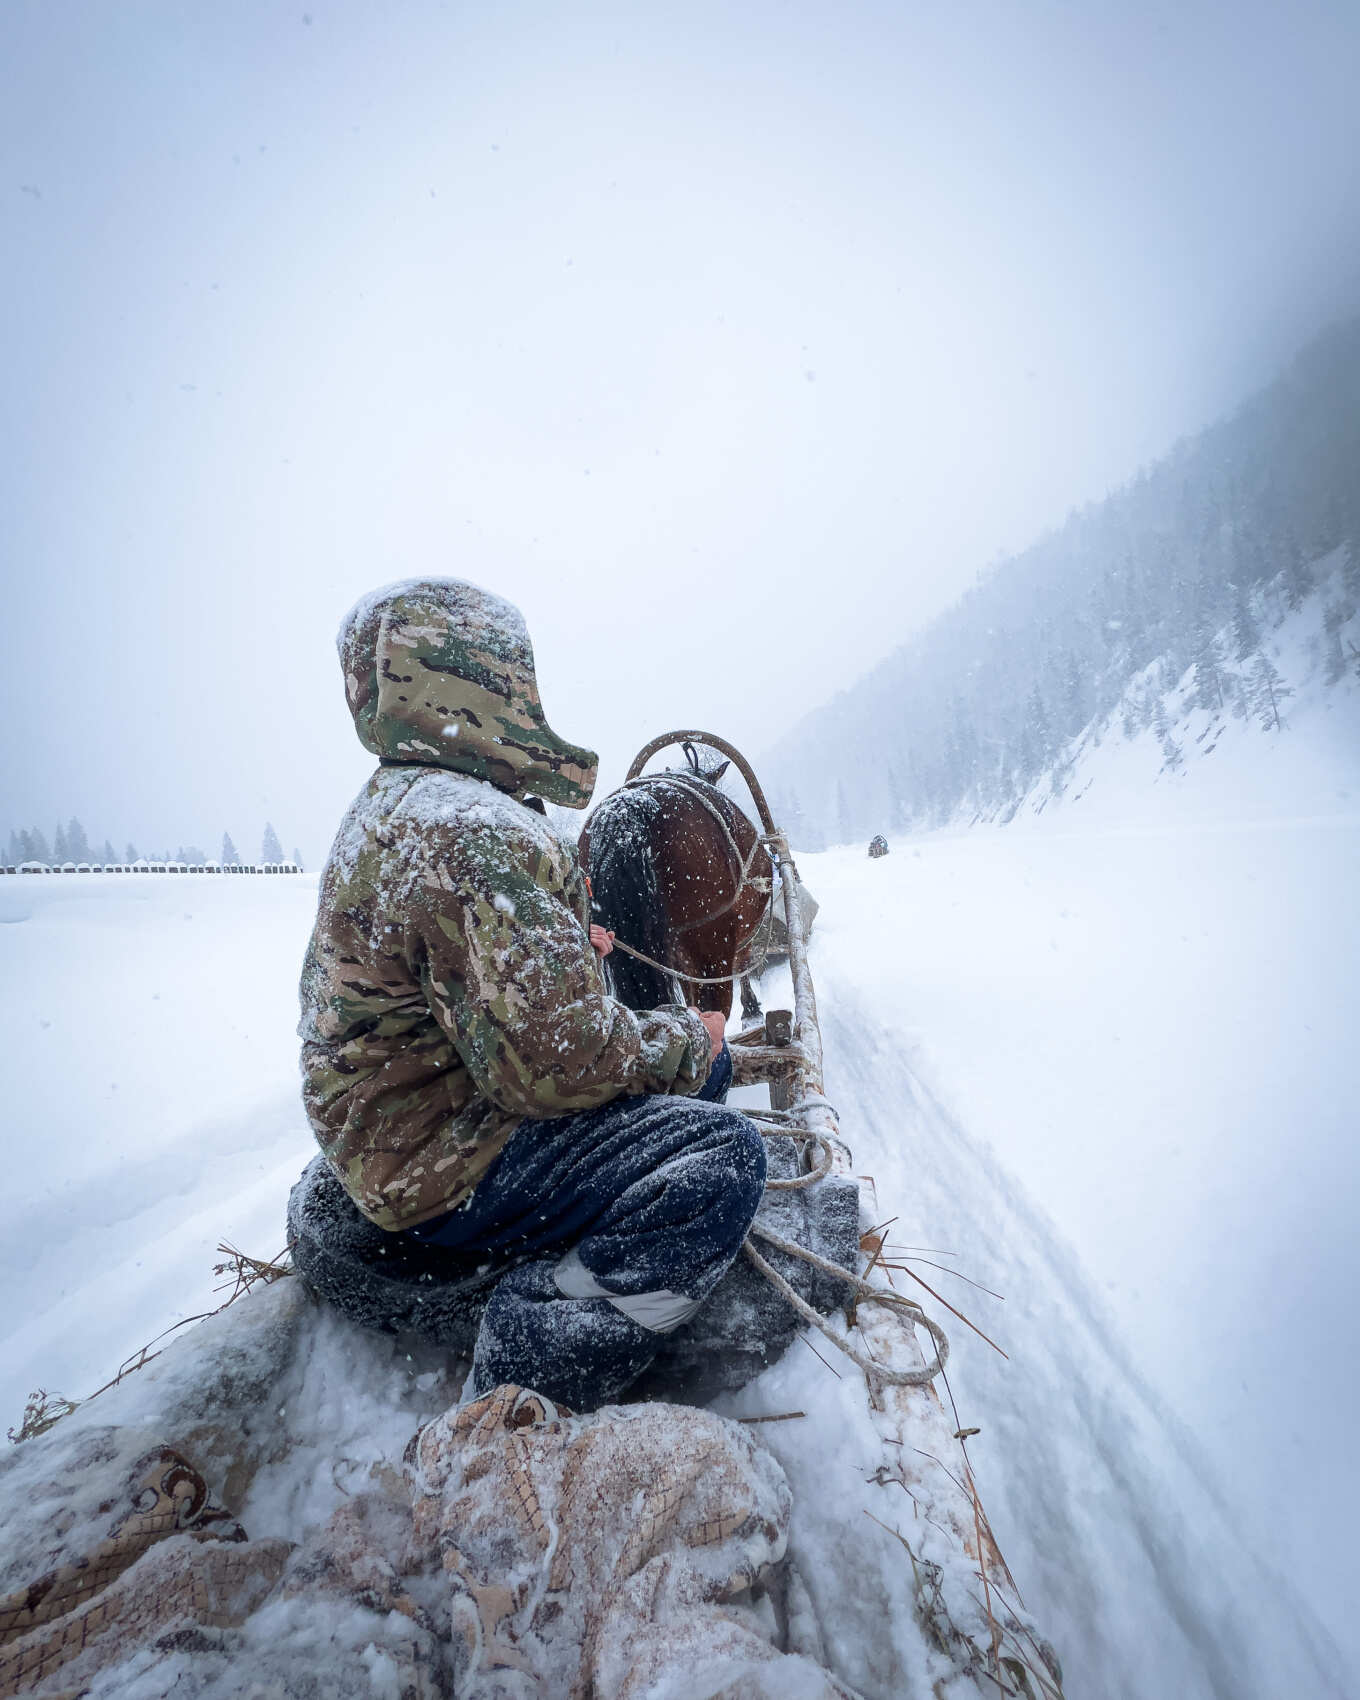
(635, 1552)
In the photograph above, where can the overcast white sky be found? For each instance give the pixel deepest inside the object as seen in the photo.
(728, 341)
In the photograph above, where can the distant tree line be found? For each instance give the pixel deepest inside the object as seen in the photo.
(1185, 570)
(70, 844)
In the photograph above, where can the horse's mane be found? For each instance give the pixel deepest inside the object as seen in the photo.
(626, 896)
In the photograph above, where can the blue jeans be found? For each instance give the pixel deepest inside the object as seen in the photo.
(625, 1219)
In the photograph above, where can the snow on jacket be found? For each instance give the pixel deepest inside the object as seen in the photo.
(450, 989)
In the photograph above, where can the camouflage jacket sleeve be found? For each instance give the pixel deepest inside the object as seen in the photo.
(505, 960)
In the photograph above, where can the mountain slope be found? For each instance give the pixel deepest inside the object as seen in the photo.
(1192, 566)
(1284, 738)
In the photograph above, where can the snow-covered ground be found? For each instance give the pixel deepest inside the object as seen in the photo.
(151, 1108)
(1112, 1075)
(1134, 1010)
(1101, 1061)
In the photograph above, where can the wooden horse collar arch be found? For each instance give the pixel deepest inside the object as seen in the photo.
(804, 1051)
(733, 754)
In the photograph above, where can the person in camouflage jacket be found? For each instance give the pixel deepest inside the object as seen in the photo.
(466, 1073)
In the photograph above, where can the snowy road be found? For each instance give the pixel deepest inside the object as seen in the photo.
(1106, 1071)
(1107, 1508)
(1150, 1031)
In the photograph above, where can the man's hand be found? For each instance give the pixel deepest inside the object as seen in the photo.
(601, 939)
(716, 1023)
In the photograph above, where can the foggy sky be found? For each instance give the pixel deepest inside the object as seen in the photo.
(728, 342)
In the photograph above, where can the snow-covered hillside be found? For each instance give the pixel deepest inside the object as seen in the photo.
(1180, 579)
(1100, 1070)
(1231, 744)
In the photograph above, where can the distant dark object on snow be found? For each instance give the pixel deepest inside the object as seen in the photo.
(878, 845)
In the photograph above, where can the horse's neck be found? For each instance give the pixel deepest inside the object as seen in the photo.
(704, 792)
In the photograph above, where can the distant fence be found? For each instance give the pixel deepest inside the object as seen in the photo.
(143, 867)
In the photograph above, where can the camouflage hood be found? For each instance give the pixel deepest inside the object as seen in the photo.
(441, 674)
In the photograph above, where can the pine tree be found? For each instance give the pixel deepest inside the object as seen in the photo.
(1298, 581)
(270, 848)
(1076, 694)
(1208, 678)
(1235, 694)
(60, 851)
(131, 856)
(1333, 618)
(16, 849)
(1039, 720)
(38, 850)
(108, 854)
(297, 860)
(1246, 632)
(77, 844)
(1266, 690)
(230, 858)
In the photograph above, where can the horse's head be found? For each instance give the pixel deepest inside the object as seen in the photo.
(710, 775)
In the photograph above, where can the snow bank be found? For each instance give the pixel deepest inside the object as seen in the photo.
(1135, 1010)
(151, 1108)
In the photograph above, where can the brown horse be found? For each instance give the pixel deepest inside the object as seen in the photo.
(678, 872)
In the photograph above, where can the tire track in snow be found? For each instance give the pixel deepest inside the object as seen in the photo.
(1120, 1538)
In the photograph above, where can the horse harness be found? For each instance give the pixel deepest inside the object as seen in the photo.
(697, 787)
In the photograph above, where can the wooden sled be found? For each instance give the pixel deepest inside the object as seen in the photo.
(965, 1598)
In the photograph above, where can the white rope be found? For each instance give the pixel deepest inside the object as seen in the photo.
(821, 1163)
(675, 973)
(866, 1294)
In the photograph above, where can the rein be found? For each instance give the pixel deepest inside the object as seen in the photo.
(678, 973)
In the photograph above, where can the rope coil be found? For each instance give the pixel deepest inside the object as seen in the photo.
(866, 1293)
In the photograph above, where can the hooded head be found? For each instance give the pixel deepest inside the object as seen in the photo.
(441, 673)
